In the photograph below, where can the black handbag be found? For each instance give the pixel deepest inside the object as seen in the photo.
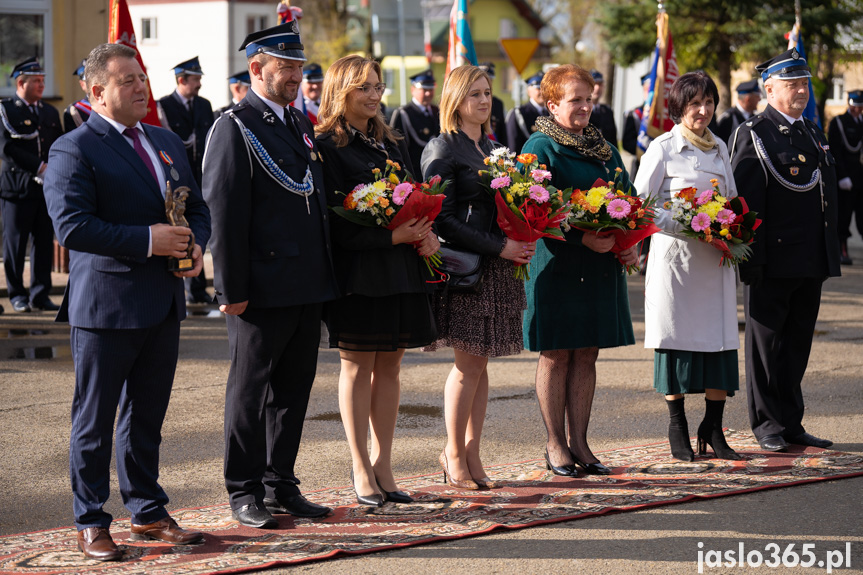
(462, 267)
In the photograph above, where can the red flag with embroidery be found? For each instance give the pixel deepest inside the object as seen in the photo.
(120, 31)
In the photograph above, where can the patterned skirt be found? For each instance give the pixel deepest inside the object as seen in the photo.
(486, 323)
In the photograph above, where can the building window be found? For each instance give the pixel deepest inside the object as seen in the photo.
(22, 36)
(256, 23)
(837, 94)
(507, 29)
(149, 30)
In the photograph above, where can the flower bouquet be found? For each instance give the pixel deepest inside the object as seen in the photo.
(726, 224)
(527, 208)
(607, 208)
(388, 202)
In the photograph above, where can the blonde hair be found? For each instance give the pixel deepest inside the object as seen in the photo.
(345, 75)
(455, 89)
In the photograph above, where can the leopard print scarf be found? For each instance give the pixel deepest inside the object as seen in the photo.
(590, 143)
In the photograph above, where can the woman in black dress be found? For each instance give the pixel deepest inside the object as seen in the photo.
(384, 307)
(476, 325)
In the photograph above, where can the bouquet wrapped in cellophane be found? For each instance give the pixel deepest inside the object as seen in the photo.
(389, 201)
(726, 224)
(528, 207)
(606, 208)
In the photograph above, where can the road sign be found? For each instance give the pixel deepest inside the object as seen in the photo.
(519, 51)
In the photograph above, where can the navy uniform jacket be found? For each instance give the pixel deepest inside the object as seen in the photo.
(192, 128)
(728, 121)
(269, 248)
(418, 129)
(520, 125)
(798, 236)
(603, 118)
(22, 149)
(76, 114)
(102, 200)
(845, 135)
(498, 120)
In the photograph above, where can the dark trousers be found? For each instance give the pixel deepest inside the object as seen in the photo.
(22, 219)
(850, 204)
(196, 287)
(780, 324)
(132, 369)
(274, 355)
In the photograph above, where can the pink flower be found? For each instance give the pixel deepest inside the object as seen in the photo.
(539, 194)
(435, 180)
(725, 217)
(705, 197)
(619, 208)
(401, 193)
(700, 222)
(540, 176)
(500, 182)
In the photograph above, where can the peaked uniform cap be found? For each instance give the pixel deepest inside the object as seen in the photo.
(240, 78)
(536, 79)
(424, 79)
(855, 98)
(191, 66)
(282, 41)
(788, 65)
(79, 71)
(313, 73)
(488, 68)
(29, 67)
(749, 87)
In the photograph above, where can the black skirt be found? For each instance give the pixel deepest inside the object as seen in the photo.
(387, 323)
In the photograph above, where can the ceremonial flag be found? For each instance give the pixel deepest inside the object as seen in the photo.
(655, 120)
(461, 49)
(120, 31)
(795, 40)
(286, 12)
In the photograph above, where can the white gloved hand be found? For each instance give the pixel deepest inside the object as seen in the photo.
(846, 184)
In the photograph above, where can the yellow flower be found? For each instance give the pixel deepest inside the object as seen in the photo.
(711, 209)
(380, 185)
(394, 178)
(723, 233)
(509, 198)
(596, 197)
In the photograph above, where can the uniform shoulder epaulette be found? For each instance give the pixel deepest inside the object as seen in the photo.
(754, 121)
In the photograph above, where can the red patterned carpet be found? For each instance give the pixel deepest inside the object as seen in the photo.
(643, 477)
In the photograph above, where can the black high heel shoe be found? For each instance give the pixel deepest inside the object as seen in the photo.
(374, 500)
(394, 496)
(678, 431)
(591, 468)
(564, 470)
(710, 432)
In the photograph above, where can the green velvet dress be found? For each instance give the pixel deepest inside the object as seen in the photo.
(576, 298)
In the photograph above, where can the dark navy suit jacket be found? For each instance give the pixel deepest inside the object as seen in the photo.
(102, 200)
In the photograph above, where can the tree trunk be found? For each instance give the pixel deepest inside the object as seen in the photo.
(723, 48)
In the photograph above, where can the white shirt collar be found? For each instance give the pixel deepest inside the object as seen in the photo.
(746, 114)
(183, 99)
(117, 125)
(279, 111)
(788, 118)
(539, 107)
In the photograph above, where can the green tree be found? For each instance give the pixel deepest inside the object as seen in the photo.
(719, 36)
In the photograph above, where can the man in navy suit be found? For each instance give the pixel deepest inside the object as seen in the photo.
(28, 129)
(105, 192)
(263, 181)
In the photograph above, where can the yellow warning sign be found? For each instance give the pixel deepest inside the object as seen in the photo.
(519, 51)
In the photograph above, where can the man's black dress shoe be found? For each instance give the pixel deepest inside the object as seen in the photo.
(255, 515)
(47, 305)
(807, 439)
(773, 443)
(21, 306)
(296, 505)
(202, 298)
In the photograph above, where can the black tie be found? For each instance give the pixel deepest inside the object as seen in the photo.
(800, 127)
(289, 122)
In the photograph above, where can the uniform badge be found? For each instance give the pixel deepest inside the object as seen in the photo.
(175, 175)
(311, 146)
(784, 129)
(795, 170)
(802, 158)
(18, 103)
(27, 122)
(426, 131)
(269, 117)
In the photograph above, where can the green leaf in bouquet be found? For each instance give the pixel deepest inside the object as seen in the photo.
(359, 218)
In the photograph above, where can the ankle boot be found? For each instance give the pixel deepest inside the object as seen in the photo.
(710, 432)
(678, 431)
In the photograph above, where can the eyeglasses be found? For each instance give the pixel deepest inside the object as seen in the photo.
(367, 88)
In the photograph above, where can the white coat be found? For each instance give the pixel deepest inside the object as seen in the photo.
(690, 300)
